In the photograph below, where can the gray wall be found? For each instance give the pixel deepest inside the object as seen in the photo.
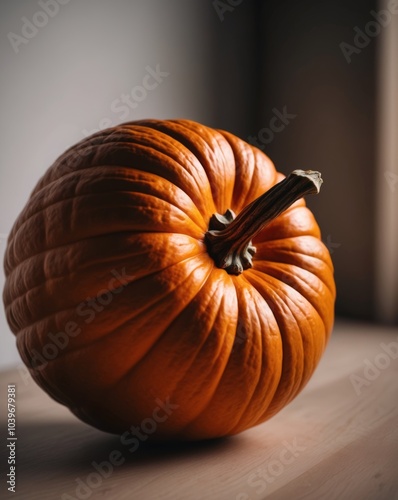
(66, 79)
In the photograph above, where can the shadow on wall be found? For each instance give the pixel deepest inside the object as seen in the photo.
(304, 82)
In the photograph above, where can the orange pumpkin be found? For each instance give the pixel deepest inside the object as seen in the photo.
(134, 292)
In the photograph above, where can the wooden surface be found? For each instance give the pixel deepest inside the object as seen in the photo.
(332, 442)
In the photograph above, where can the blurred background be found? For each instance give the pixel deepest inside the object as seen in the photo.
(328, 72)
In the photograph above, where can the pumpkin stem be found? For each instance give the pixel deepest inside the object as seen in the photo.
(229, 238)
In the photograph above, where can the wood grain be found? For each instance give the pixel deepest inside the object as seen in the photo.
(330, 443)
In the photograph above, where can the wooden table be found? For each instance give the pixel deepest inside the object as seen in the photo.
(337, 440)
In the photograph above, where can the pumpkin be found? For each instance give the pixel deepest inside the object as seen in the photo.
(163, 274)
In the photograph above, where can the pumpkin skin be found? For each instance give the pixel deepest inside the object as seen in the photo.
(117, 305)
